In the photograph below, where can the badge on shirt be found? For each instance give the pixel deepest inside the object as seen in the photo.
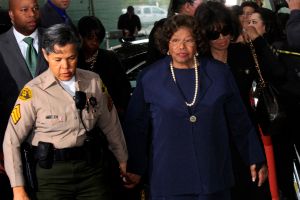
(92, 101)
(16, 114)
(25, 94)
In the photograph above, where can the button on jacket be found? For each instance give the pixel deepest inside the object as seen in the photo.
(49, 112)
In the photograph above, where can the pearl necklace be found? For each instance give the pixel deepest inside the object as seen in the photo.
(196, 81)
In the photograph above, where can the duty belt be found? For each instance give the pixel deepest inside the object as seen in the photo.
(67, 154)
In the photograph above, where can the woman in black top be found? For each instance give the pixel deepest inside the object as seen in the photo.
(103, 62)
(221, 30)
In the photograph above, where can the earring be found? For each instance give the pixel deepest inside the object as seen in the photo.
(168, 53)
(196, 54)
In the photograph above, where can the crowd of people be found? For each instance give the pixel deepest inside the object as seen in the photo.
(71, 129)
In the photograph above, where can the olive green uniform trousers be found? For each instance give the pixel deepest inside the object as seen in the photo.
(73, 180)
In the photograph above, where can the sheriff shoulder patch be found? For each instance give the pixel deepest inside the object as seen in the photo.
(25, 94)
(16, 114)
(103, 87)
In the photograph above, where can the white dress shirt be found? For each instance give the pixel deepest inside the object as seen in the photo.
(23, 45)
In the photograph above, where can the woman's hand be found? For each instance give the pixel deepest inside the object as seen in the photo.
(131, 180)
(262, 174)
(249, 34)
(20, 194)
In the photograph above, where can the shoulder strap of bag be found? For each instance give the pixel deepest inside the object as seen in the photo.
(253, 52)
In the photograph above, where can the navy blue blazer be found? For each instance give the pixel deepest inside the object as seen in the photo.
(186, 157)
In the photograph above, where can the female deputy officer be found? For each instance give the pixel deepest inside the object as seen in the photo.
(190, 105)
(60, 109)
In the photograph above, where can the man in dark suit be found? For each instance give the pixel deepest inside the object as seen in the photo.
(15, 71)
(54, 12)
(13, 48)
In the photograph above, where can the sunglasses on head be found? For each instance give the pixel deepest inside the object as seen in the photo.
(213, 35)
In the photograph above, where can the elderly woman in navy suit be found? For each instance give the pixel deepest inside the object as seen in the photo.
(193, 108)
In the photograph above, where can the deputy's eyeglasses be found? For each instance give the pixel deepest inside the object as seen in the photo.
(213, 35)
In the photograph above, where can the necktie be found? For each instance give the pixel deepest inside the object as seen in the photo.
(31, 55)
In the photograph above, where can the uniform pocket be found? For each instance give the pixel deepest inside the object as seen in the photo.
(52, 121)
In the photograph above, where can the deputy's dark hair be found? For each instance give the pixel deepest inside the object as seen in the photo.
(58, 34)
(89, 24)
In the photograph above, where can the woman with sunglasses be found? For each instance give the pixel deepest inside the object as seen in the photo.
(190, 102)
(221, 29)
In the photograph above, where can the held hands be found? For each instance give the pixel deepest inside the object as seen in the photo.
(20, 194)
(130, 180)
(261, 174)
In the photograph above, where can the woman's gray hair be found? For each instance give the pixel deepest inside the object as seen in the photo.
(59, 34)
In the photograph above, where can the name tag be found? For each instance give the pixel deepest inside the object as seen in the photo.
(52, 117)
(57, 118)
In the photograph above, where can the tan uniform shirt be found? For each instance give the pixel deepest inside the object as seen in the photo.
(49, 112)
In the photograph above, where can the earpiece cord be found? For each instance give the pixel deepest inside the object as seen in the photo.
(80, 116)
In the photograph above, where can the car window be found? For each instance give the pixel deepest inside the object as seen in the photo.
(147, 11)
(157, 11)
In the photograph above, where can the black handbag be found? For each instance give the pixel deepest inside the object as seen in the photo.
(269, 110)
